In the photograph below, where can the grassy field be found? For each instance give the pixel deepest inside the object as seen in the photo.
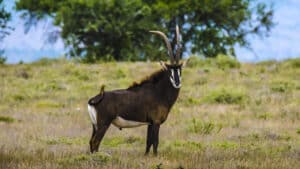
(228, 115)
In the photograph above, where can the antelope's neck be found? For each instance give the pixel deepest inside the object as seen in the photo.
(168, 94)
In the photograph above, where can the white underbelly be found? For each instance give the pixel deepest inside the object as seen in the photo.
(122, 123)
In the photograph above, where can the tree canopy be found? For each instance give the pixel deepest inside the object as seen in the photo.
(4, 28)
(114, 29)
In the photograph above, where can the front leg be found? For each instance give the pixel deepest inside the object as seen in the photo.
(155, 130)
(149, 138)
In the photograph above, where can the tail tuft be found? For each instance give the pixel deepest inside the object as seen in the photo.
(93, 114)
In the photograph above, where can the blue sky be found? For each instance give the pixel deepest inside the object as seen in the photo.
(281, 44)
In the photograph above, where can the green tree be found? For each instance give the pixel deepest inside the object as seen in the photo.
(118, 29)
(215, 26)
(4, 28)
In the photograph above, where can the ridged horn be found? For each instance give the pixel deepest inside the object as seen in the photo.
(170, 51)
(178, 44)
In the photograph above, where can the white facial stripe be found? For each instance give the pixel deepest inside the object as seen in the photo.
(172, 73)
(172, 78)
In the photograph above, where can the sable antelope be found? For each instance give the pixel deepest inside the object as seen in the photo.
(146, 103)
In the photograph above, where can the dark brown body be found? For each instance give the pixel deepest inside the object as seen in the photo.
(146, 103)
(150, 101)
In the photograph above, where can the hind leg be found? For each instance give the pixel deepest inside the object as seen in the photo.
(98, 136)
(93, 134)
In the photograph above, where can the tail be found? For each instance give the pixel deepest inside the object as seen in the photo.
(93, 114)
(95, 100)
(91, 106)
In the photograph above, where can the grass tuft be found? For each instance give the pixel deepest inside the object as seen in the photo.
(98, 157)
(203, 127)
(298, 131)
(195, 61)
(227, 96)
(293, 63)
(225, 145)
(66, 141)
(7, 119)
(227, 62)
(188, 144)
(281, 86)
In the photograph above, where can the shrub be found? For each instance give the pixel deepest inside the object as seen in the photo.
(267, 63)
(6, 119)
(226, 96)
(298, 131)
(281, 86)
(203, 127)
(226, 145)
(192, 101)
(53, 85)
(187, 144)
(221, 61)
(264, 116)
(195, 61)
(19, 97)
(47, 61)
(2, 60)
(225, 62)
(295, 63)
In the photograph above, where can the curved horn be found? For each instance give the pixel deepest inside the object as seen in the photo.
(178, 50)
(170, 52)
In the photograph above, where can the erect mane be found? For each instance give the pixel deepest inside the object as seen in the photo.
(152, 79)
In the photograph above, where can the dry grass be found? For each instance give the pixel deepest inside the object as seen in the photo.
(236, 116)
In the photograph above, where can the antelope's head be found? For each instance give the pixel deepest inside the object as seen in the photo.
(174, 68)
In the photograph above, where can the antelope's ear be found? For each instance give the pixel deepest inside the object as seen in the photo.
(163, 65)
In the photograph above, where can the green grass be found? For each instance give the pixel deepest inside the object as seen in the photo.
(6, 119)
(228, 115)
(203, 127)
(282, 86)
(226, 96)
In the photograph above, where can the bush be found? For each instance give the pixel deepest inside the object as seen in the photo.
(295, 63)
(195, 61)
(281, 86)
(2, 60)
(221, 61)
(6, 119)
(226, 145)
(187, 145)
(225, 62)
(298, 131)
(203, 127)
(226, 96)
